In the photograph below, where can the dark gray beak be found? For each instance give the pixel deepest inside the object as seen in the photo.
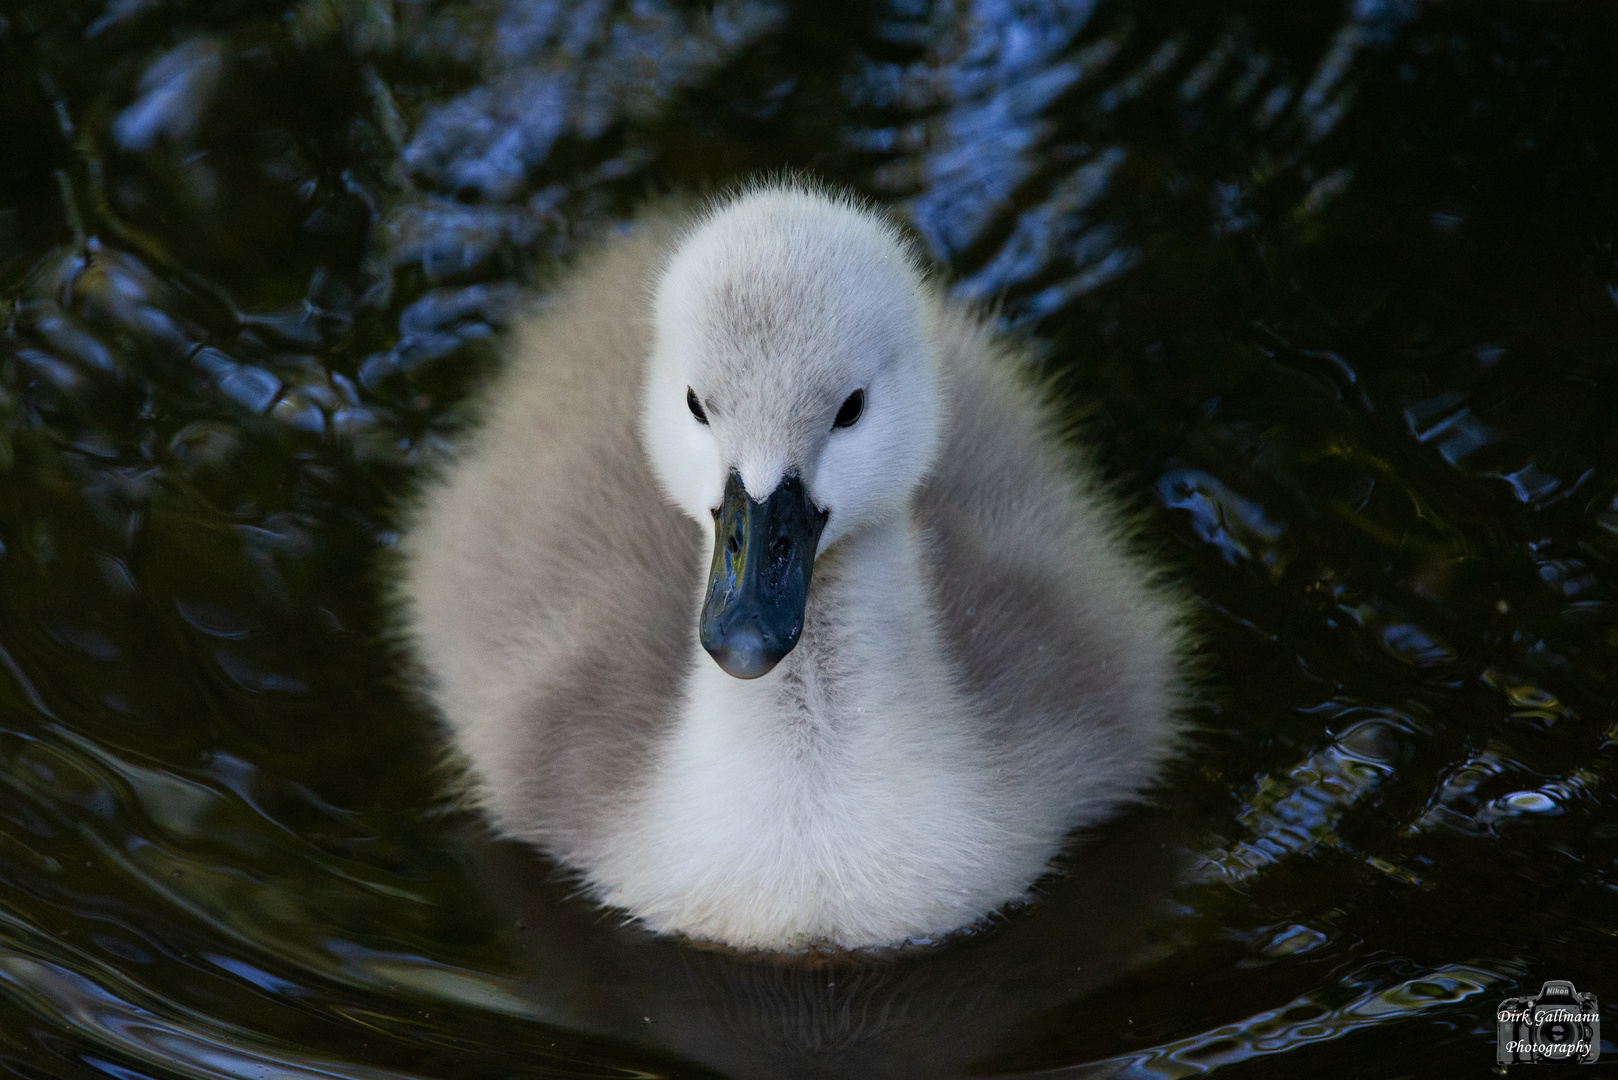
(763, 555)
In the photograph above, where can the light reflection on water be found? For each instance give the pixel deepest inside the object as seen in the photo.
(1332, 289)
(1300, 1023)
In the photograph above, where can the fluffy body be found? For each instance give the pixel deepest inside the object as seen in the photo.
(983, 667)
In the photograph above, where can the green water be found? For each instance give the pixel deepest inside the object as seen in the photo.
(1331, 288)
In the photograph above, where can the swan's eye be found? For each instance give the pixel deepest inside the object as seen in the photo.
(696, 406)
(851, 410)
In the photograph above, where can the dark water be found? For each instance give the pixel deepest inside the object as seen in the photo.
(1332, 285)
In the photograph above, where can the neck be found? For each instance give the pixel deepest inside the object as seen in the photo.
(869, 651)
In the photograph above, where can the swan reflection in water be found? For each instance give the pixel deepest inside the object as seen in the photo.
(927, 1011)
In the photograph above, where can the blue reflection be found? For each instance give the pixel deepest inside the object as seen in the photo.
(1236, 526)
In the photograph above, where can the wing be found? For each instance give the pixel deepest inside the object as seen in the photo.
(1060, 630)
(550, 590)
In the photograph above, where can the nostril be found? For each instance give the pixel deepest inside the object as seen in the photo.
(732, 545)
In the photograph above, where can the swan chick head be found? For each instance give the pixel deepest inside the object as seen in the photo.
(790, 342)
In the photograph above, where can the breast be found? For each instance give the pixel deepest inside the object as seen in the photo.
(850, 797)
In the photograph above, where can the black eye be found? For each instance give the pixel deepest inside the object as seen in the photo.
(695, 406)
(851, 410)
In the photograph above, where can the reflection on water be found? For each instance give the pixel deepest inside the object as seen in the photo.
(1331, 288)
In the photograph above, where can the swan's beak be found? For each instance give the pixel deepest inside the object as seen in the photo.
(762, 556)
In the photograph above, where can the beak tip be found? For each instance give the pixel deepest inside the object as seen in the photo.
(744, 655)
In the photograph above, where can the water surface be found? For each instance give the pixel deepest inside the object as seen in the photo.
(1331, 289)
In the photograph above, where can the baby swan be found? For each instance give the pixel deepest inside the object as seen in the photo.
(769, 599)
